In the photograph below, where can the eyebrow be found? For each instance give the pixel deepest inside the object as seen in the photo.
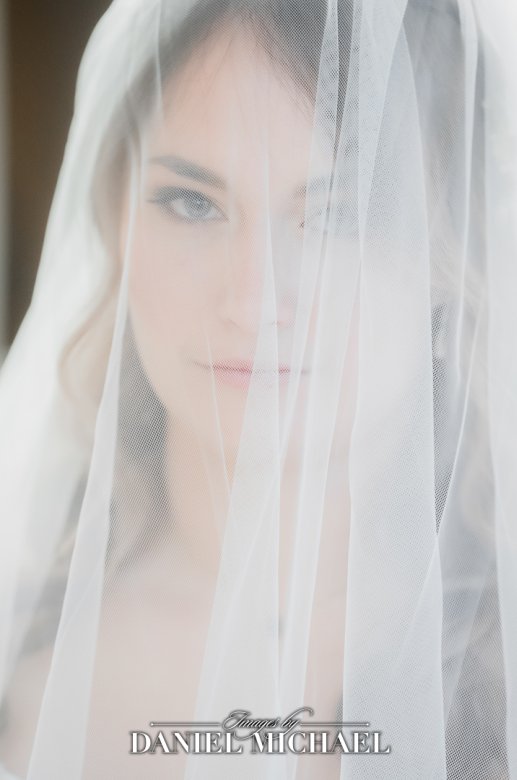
(189, 170)
(197, 172)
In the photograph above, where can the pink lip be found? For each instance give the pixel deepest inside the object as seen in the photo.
(237, 373)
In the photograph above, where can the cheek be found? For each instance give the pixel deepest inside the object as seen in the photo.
(167, 298)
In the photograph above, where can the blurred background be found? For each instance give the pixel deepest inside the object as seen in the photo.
(41, 43)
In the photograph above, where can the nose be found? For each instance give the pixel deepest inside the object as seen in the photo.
(250, 294)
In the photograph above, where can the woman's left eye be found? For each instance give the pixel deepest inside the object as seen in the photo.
(336, 219)
(187, 205)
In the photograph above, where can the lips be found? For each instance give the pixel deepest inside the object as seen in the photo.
(243, 366)
(239, 372)
(247, 367)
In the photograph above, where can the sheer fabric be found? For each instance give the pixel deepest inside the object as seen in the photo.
(258, 444)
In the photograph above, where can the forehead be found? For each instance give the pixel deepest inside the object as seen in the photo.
(233, 109)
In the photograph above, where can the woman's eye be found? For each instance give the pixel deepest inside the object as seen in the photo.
(187, 205)
(336, 219)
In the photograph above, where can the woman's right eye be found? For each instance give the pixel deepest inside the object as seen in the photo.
(187, 205)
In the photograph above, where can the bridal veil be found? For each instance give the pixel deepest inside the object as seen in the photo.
(258, 425)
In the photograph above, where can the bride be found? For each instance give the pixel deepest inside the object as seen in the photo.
(256, 453)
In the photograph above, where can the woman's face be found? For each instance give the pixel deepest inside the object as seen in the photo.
(216, 242)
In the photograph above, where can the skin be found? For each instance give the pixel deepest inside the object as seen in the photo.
(200, 266)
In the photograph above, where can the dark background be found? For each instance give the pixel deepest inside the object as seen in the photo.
(45, 41)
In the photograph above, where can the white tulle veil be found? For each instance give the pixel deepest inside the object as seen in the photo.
(258, 425)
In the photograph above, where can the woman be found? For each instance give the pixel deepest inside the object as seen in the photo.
(257, 458)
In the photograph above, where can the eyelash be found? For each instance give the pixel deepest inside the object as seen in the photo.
(166, 196)
(343, 224)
